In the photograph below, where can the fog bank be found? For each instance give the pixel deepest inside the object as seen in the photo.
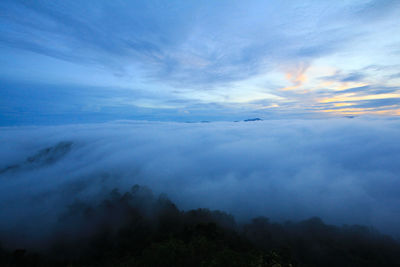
(345, 171)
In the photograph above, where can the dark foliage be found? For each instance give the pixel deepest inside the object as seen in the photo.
(138, 229)
(42, 158)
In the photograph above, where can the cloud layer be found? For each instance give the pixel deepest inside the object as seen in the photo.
(343, 170)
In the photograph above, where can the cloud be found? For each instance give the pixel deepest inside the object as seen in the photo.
(379, 103)
(171, 41)
(343, 170)
(296, 76)
(377, 9)
(346, 77)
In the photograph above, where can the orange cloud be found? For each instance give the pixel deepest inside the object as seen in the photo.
(354, 97)
(296, 76)
(344, 104)
(363, 111)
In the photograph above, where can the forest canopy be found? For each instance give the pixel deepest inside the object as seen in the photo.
(138, 228)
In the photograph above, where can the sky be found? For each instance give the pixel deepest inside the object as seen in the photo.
(95, 61)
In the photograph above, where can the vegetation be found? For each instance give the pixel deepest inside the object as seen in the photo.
(138, 229)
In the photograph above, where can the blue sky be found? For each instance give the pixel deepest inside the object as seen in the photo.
(77, 61)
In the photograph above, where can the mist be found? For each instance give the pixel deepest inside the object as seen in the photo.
(345, 171)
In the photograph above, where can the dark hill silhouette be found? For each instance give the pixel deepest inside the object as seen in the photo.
(137, 228)
(254, 119)
(43, 157)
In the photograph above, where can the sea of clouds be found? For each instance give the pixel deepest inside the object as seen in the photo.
(345, 171)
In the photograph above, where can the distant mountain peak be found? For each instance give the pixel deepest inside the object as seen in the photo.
(253, 119)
